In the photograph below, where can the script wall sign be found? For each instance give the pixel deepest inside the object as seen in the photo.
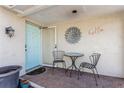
(95, 30)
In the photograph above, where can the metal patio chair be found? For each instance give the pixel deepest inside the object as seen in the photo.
(94, 58)
(58, 58)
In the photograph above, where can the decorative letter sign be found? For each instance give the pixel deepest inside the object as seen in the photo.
(95, 30)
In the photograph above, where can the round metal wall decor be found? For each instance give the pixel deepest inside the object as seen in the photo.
(73, 35)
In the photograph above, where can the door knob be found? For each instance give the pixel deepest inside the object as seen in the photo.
(25, 49)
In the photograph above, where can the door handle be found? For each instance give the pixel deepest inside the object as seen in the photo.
(25, 47)
(25, 50)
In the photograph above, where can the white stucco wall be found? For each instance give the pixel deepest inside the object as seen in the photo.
(12, 49)
(109, 42)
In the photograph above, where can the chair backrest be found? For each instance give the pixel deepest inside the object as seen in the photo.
(58, 55)
(94, 58)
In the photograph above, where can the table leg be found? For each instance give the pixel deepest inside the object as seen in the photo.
(73, 66)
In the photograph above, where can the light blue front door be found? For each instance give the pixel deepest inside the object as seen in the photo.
(33, 46)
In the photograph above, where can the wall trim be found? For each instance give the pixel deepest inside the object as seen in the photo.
(48, 65)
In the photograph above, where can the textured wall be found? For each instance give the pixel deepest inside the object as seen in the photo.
(109, 42)
(12, 49)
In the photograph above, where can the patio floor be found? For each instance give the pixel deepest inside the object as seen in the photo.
(60, 80)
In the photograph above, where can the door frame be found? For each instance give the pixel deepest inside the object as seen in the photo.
(55, 41)
(41, 60)
(50, 27)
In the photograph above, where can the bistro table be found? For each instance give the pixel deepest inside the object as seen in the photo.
(73, 57)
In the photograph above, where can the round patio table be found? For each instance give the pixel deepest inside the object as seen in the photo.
(73, 57)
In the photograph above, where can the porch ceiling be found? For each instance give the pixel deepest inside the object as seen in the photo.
(49, 14)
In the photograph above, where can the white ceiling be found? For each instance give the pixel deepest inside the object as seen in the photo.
(24, 7)
(52, 14)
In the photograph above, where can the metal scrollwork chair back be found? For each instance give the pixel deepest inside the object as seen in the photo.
(58, 58)
(94, 58)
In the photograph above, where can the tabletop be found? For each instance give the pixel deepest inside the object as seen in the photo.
(73, 54)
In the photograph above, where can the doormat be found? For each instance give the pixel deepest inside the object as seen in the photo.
(37, 71)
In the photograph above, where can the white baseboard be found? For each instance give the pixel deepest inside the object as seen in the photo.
(48, 65)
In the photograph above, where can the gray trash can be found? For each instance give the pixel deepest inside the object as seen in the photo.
(9, 76)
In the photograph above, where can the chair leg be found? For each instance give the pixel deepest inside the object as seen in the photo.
(65, 67)
(68, 69)
(95, 77)
(53, 67)
(97, 72)
(79, 72)
(57, 65)
(71, 71)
